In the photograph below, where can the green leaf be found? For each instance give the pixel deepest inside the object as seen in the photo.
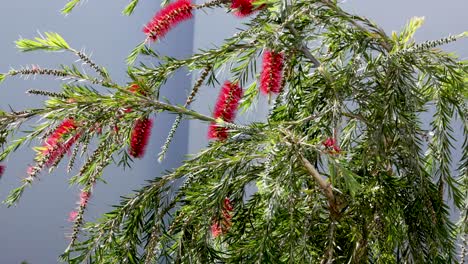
(51, 42)
(69, 6)
(130, 7)
(2, 77)
(249, 97)
(410, 29)
(349, 177)
(135, 52)
(14, 196)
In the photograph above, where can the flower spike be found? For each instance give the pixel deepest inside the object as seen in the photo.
(222, 227)
(272, 73)
(140, 137)
(225, 109)
(167, 18)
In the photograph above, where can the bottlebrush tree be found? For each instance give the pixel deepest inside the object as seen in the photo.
(345, 169)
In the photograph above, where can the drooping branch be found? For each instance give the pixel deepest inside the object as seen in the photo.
(323, 184)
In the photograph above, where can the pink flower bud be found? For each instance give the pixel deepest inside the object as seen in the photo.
(72, 216)
(84, 198)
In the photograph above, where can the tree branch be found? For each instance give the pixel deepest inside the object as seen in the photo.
(197, 115)
(326, 187)
(303, 47)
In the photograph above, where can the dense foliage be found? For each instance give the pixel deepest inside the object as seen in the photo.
(344, 169)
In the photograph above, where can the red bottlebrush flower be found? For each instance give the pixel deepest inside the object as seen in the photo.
(244, 8)
(226, 109)
(228, 205)
(84, 198)
(60, 149)
(272, 72)
(221, 227)
(98, 128)
(216, 230)
(331, 143)
(336, 149)
(220, 133)
(2, 170)
(227, 209)
(140, 137)
(55, 146)
(67, 126)
(72, 216)
(167, 18)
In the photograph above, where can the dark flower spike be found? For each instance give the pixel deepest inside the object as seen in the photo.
(272, 73)
(141, 131)
(222, 227)
(225, 109)
(2, 170)
(167, 18)
(140, 137)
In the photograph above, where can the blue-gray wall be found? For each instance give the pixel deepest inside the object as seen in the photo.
(34, 231)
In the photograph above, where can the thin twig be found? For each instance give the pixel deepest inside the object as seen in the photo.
(86, 59)
(328, 257)
(189, 100)
(303, 47)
